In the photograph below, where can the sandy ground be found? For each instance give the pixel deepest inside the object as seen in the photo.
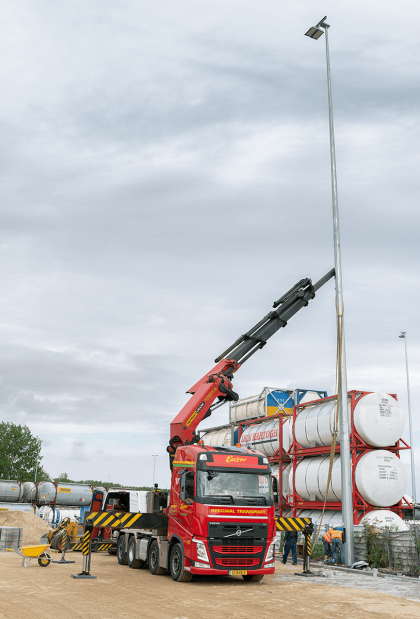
(119, 592)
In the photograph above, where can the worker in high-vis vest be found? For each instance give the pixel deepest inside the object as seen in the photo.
(336, 534)
(326, 540)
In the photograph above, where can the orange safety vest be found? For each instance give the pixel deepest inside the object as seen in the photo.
(336, 534)
(327, 537)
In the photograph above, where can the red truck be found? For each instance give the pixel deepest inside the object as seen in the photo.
(220, 517)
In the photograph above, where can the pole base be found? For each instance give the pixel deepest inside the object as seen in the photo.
(83, 575)
(63, 561)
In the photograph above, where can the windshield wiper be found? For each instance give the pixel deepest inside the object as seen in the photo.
(220, 496)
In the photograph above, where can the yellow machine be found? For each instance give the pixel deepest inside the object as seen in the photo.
(74, 533)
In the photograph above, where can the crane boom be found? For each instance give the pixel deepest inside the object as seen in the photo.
(217, 383)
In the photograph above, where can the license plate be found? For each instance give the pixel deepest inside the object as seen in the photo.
(238, 572)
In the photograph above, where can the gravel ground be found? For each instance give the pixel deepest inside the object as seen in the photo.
(122, 593)
(357, 580)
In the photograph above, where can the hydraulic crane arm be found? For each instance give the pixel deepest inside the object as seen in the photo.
(217, 383)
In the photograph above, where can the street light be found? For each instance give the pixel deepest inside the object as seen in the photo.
(346, 473)
(154, 466)
(410, 424)
(39, 453)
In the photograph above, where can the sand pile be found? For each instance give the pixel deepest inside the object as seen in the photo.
(33, 526)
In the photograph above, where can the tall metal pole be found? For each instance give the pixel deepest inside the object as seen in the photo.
(346, 472)
(410, 424)
(154, 467)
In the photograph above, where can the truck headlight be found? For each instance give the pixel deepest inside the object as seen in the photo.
(270, 552)
(201, 551)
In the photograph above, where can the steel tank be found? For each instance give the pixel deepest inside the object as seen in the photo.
(267, 403)
(382, 518)
(380, 478)
(285, 477)
(378, 419)
(264, 437)
(10, 491)
(16, 507)
(76, 495)
(218, 438)
(28, 491)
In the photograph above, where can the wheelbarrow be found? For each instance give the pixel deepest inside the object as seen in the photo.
(28, 553)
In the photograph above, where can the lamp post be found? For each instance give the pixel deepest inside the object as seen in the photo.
(410, 424)
(39, 453)
(346, 473)
(154, 467)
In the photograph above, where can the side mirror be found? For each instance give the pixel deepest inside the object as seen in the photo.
(275, 490)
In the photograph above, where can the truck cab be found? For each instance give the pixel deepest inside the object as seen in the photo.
(221, 512)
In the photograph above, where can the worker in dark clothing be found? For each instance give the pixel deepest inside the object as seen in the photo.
(290, 540)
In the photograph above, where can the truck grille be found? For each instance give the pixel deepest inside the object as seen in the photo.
(238, 550)
(237, 562)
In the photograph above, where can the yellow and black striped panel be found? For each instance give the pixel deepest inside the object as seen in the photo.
(86, 543)
(127, 520)
(292, 524)
(103, 547)
(77, 546)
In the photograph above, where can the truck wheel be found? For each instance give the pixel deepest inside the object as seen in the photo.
(121, 551)
(154, 559)
(132, 561)
(177, 565)
(57, 543)
(253, 577)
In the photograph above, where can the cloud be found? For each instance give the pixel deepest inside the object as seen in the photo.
(165, 177)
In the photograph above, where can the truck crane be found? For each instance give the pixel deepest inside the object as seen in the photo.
(220, 519)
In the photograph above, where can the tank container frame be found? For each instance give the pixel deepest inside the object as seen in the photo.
(358, 448)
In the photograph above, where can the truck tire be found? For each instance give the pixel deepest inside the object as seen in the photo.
(253, 577)
(134, 563)
(57, 542)
(121, 551)
(177, 565)
(154, 559)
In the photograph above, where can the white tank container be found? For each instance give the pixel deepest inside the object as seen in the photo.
(76, 495)
(217, 438)
(380, 478)
(16, 507)
(285, 477)
(267, 403)
(264, 437)
(28, 491)
(382, 518)
(10, 491)
(378, 419)
(331, 517)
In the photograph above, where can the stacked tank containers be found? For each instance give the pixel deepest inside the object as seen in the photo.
(263, 424)
(15, 495)
(378, 476)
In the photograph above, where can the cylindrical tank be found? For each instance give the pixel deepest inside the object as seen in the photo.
(10, 491)
(378, 419)
(380, 478)
(264, 437)
(17, 507)
(267, 403)
(285, 477)
(331, 517)
(64, 494)
(28, 491)
(384, 518)
(218, 438)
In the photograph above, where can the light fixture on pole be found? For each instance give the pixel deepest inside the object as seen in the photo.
(346, 472)
(154, 467)
(410, 424)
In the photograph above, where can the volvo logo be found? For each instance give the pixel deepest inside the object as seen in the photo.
(239, 532)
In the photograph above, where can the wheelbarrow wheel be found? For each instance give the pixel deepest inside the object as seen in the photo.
(44, 560)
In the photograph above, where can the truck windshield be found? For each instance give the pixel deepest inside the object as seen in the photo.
(211, 483)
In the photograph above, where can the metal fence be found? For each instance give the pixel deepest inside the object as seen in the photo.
(10, 537)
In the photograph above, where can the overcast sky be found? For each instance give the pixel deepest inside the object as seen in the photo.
(165, 176)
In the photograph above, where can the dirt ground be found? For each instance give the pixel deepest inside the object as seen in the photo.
(119, 592)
